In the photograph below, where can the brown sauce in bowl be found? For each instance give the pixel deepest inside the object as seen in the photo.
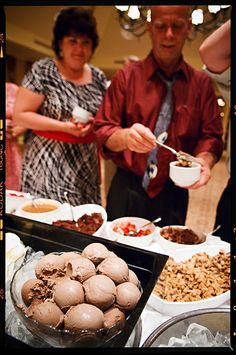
(39, 208)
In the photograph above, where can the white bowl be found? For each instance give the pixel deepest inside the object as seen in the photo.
(79, 211)
(39, 202)
(168, 245)
(174, 308)
(141, 241)
(184, 176)
(80, 115)
(14, 199)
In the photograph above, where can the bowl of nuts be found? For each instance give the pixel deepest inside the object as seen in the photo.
(195, 279)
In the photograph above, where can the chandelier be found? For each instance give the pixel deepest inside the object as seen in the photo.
(205, 19)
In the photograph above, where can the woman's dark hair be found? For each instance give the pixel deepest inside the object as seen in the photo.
(74, 21)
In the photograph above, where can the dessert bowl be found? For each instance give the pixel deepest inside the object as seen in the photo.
(184, 176)
(80, 212)
(14, 199)
(124, 230)
(55, 335)
(39, 208)
(179, 237)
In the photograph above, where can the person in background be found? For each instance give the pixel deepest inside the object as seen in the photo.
(61, 155)
(215, 53)
(130, 113)
(13, 149)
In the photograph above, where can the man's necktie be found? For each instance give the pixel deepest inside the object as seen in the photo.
(160, 131)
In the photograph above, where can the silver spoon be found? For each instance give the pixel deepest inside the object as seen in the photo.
(131, 233)
(71, 209)
(181, 156)
(213, 231)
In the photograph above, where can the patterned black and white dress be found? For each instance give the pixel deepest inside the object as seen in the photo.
(51, 167)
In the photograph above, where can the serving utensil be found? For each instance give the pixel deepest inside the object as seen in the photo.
(131, 233)
(71, 209)
(182, 157)
(213, 231)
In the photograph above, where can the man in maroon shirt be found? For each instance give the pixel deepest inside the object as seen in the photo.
(126, 120)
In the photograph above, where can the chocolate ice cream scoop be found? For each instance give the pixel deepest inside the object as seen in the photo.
(68, 293)
(46, 312)
(115, 268)
(84, 316)
(113, 316)
(127, 296)
(100, 291)
(96, 252)
(133, 278)
(33, 288)
(80, 269)
(68, 256)
(49, 266)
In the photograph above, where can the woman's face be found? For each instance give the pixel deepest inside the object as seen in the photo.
(76, 50)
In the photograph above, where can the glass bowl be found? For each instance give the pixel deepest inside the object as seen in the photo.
(52, 336)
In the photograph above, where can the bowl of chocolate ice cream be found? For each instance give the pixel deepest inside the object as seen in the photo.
(73, 299)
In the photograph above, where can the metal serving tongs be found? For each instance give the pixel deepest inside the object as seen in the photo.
(183, 158)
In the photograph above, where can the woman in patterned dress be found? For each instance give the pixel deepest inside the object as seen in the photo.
(60, 155)
(13, 149)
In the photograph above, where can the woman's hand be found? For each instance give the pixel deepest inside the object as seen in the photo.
(79, 129)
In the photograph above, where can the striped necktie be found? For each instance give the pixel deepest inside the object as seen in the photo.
(160, 131)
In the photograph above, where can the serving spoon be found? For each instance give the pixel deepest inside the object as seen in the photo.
(132, 233)
(182, 157)
(71, 209)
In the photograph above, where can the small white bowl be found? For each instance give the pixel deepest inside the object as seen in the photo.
(40, 203)
(141, 241)
(168, 245)
(80, 115)
(79, 211)
(184, 176)
(14, 199)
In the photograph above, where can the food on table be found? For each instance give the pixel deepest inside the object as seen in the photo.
(96, 252)
(112, 316)
(87, 224)
(84, 316)
(133, 278)
(80, 268)
(39, 207)
(100, 291)
(115, 268)
(49, 266)
(127, 296)
(200, 277)
(68, 293)
(14, 252)
(34, 288)
(73, 294)
(46, 312)
(180, 235)
(125, 228)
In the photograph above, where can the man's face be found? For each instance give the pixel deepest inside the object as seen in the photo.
(169, 29)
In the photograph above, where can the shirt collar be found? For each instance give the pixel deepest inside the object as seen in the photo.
(151, 66)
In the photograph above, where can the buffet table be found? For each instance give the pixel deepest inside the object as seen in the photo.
(150, 317)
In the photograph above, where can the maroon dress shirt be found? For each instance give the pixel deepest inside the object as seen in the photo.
(135, 96)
